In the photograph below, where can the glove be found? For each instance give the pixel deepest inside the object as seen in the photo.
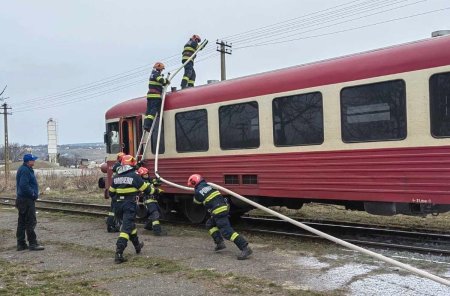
(159, 191)
(156, 182)
(167, 82)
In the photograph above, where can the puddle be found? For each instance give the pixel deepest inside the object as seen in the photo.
(393, 284)
(336, 278)
(311, 263)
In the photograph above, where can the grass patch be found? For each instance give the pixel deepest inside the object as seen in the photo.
(235, 284)
(21, 280)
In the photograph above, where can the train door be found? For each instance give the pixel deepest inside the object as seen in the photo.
(130, 131)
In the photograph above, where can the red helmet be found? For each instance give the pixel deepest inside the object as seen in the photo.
(196, 38)
(159, 66)
(194, 180)
(129, 160)
(120, 155)
(142, 171)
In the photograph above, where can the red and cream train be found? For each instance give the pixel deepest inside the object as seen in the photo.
(370, 131)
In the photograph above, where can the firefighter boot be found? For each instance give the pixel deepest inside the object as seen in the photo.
(148, 225)
(139, 247)
(158, 231)
(119, 258)
(220, 246)
(245, 253)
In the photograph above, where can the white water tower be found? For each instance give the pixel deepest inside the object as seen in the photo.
(52, 141)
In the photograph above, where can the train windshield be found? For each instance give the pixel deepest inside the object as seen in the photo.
(112, 138)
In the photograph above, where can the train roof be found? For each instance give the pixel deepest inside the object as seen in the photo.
(423, 54)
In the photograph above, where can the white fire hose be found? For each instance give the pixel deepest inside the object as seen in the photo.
(281, 216)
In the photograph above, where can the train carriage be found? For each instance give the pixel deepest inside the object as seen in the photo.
(369, 131)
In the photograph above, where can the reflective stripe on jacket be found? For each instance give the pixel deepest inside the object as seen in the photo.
(211, 198)
(189, 49)
(128, 183)
(156, 83)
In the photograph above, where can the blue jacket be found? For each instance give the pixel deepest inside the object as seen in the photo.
(26, 183)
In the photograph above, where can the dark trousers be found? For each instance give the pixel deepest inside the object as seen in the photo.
(126, 211)
(153, 107)
(27, 221)
(189, 75)
(111, 222)
(154, 215)
(219, 226)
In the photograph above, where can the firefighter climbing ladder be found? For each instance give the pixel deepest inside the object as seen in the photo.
(145, 139)
(283, 217)
(146, 136)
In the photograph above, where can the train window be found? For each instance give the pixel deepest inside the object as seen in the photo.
(249, 179)
(440, 105)
(162, 146)
(231, 179)
(112, 138)
(191, 129)
(298, 120)
(239, 126)
(374, 112)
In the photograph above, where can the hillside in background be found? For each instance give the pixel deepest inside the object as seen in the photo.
(91, 151)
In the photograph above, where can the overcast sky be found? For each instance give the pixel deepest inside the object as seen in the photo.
(48, 47)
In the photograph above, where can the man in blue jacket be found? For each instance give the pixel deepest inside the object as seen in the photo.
(27, 192)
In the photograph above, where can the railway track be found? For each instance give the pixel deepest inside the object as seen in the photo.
(422, 241)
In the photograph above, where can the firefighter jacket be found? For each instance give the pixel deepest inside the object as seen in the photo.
(149, 198)
(155, 85)
(211, 198)
(115, 167)
(189, 49)
(127, 184)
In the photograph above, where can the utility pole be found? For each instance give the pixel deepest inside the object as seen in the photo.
(223, 48)
(6, 148)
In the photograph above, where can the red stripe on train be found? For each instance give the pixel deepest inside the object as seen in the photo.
(395, 174)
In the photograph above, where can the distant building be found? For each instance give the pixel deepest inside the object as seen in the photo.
(52, 141)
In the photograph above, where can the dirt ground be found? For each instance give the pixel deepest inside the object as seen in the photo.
(78, 260)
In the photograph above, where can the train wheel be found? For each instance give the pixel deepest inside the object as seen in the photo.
(195, 213)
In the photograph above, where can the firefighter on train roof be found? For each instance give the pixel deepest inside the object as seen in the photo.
(218, 224)
(126, 184)
(113, 224)
(189, 73)
(156, 85)
(151, 202)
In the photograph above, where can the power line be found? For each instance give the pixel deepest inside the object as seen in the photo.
(130, 74)
(327, 17)
(346, 30)
(346, 21)
(118, 83)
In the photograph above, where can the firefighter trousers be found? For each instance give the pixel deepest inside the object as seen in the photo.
(219, 226)
(112, 224)
(189, 75)
(153, 107)
(126, 211)
(154, 214)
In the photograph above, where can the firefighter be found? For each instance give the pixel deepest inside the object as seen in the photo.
(112, 225)
(118, 162)
(125, 186)
(189, 72)
(156, 84)
(218, 224)
(151, 202)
